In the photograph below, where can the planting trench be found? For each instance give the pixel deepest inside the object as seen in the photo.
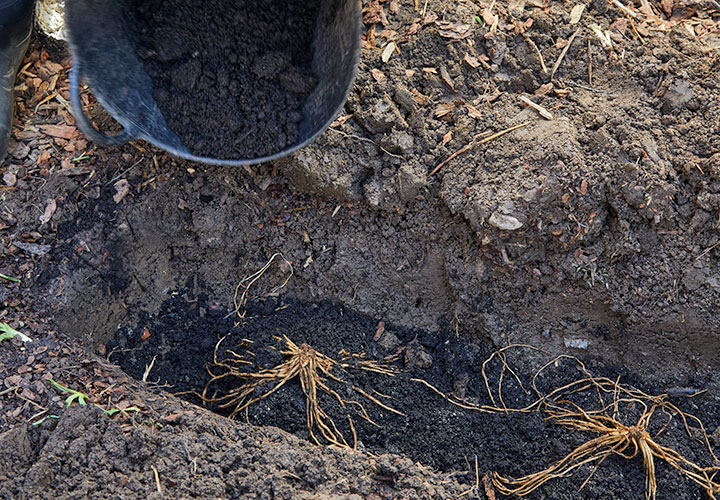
(593, 234)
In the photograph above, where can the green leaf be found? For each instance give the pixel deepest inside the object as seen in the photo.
(114, 410)
(44, 419)
(8, 332)
(81, 398)
(9, 278)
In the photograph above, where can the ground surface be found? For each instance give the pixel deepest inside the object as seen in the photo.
(594, 233)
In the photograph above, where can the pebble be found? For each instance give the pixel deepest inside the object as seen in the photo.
(504, 222)
(9, 179)
(677, 96)
(417, 356)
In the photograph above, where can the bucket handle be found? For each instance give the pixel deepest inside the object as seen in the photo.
(83, 122)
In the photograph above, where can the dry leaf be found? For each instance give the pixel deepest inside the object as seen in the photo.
(544, 89)
(53, 67)
(522, 27)
(455, 31)
(388, 51)
(421, 99)
(444, 110)
(473, 112)
(373, 13)
(445, 78)
(414, 28)
(122, 188)
(620, 25)
(430, 70)
(9, 179)
(62, 131)
(561, 43)
(667, 6)
(576, 13)
(338, 121)
(49, 211)
(378, 75)
(379, 330)
(388, 35)
(471, 61)
(583, 187)
(680, 13)
(72, 171)
(430, 18)
(447, 138)
(489, 18)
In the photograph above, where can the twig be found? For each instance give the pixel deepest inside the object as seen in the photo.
(11, 389)
(148, 368)
(580, 85)
(365, 139)
(589, 64)
(543, 112)
(564, 51)
(632, 25)
(473, 144)
(620, 6)
(157, 479)
(542, 61)
(123, 172)
(707, 250)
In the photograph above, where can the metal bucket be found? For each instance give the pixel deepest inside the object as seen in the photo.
(105, 58)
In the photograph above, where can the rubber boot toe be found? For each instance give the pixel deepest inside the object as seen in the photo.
(15, 29)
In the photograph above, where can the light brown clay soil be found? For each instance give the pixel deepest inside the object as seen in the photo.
(595, 233)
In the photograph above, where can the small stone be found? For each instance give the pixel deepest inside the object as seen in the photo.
(715, 436)
(382, 117)
(504, 222)
(389, 341)
(373, 193)
(398, 142)
(417, 357)
(576, 343)
(9, 179)
(410, 180)
(677, 96)
(460, 385)
(8, 219)
(20, 150)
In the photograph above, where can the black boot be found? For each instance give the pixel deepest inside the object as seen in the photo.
(15, 29)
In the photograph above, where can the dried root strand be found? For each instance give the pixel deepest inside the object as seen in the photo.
(313, 369)
(612, 436)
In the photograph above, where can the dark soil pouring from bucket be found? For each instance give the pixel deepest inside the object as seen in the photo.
(178, 342)
(229, 77)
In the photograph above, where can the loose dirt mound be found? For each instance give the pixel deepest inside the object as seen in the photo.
(195, 455)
